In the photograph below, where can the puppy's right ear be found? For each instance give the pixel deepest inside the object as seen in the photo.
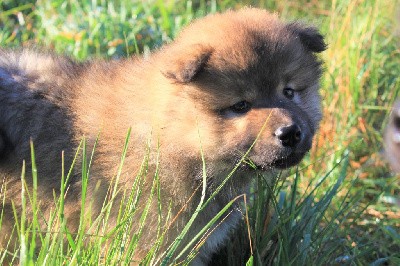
(187, 63)
(309, 36)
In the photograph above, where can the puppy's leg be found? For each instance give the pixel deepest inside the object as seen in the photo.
(2, 145)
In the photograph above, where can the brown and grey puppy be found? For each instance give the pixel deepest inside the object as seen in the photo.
(226, 79)
(392, 138)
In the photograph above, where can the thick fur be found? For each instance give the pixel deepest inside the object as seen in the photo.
(180, 100)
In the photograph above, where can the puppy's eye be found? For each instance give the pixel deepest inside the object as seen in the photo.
(288, 93)
(241, 107)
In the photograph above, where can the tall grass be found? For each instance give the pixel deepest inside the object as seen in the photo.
(335, 208)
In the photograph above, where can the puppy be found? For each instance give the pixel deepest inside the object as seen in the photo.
(392, 138)
(232, 84)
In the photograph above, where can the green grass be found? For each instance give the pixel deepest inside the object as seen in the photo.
(335, 208)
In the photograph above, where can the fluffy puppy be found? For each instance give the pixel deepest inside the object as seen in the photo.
(392, 138)
(231, 83)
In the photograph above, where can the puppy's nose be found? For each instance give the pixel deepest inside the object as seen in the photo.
(289, 136)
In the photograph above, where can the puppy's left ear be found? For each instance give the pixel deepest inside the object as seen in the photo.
(187, 63)
(309, 36)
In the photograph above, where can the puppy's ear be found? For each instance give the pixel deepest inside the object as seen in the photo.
(309, 36)
(187, 63)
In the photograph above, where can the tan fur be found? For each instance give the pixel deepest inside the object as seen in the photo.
(180, 100)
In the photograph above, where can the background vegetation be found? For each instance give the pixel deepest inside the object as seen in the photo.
(341, 206)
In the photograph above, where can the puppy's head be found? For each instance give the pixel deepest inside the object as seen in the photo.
(252, 82)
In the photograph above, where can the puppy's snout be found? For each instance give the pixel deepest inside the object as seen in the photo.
(289, 136)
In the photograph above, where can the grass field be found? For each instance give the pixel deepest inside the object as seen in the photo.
(339, 206)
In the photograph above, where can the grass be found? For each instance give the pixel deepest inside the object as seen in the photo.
(335, 208)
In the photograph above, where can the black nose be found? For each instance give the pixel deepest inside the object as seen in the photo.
(289, 135)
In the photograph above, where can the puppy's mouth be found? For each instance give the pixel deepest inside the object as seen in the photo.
(289, 161)
(280, 163)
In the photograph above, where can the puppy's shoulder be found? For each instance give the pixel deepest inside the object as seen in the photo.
(37, 71)
(32, 60)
